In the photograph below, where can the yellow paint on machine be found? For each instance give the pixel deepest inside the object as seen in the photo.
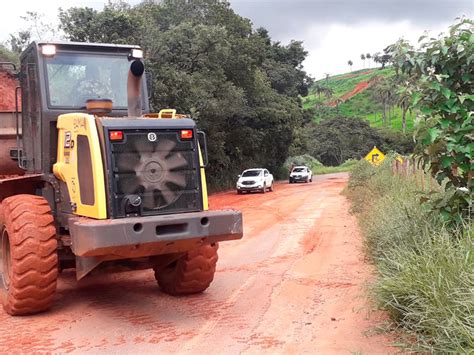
(375, 156)
(205, 200)
(75, 128)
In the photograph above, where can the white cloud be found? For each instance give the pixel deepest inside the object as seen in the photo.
(330, 47)
(330, 43)
(10, 18)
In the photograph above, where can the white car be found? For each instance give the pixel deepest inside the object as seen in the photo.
(301, 173)
(255, 180)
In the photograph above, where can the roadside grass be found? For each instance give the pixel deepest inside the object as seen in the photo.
(316, 167)
(344, 167)
(425, 271)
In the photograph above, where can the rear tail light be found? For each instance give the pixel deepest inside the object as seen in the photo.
(187, 134)
(116, 135)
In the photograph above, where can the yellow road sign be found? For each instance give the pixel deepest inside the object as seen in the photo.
(375, 156)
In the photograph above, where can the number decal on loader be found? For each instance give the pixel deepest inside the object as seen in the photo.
(67, 139)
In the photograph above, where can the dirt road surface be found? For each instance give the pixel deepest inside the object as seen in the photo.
(294, 284)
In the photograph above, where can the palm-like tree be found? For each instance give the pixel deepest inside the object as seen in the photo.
(338, 102)
(368, 56)
(327, 78)
(328, 92)
(319, 89)
(376, 57)
(404, 102)
(384, 93)
(350, 63)
(362, 57)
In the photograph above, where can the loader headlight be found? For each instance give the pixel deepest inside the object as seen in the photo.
(48, 50)
(136, 53)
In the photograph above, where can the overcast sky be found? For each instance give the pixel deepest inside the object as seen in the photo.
(333, 31)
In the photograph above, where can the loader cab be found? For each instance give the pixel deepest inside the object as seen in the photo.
(58, 78)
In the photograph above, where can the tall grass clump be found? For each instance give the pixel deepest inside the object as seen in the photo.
(425, 271)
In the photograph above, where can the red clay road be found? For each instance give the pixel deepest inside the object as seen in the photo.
(294, 284)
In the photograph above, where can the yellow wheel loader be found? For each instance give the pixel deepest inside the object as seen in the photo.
(105, 184)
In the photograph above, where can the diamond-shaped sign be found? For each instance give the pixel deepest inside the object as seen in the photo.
(375, 156)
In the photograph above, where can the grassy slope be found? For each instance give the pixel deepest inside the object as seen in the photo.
(361, 105)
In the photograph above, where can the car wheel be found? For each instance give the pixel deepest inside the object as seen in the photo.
(271, 187)
(264, 189)
(239, 192)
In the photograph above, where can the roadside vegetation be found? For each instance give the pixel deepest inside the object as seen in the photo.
(425, 269)
(372, 95)
(315, 165)
(205, 60)
(420, 235)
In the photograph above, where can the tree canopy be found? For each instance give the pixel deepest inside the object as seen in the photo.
(243, 88)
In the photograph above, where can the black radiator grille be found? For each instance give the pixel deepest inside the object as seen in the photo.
(154, 172)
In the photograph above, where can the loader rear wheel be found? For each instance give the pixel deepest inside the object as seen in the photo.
(192, 273)
(28, 255)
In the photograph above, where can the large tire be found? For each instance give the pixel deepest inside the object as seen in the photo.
(192, 273)
(28, 255)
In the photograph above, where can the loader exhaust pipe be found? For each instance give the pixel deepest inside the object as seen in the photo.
(134, 88)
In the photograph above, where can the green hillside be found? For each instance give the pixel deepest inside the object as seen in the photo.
(363, 105)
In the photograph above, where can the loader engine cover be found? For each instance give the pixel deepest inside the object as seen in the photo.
(152, 168)
(149, 167)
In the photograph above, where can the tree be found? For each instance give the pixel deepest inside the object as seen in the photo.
(37, 28)
(368, 57)
(328, 92)
(335, 140)
(338, 101)
(350, 63)
(383, 93)
(384, 58)
(327, 78)
(376, 57)
(439, 78)
(362, 57)
(404, 102)
(19, 41)
(241, 87)
(319, 89)
(7, 55)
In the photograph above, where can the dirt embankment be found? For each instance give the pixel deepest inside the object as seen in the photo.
(357, 89)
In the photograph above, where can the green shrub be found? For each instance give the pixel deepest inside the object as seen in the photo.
(425, 271)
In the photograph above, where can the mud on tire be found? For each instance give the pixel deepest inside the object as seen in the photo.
(28, 255)
(192, 273)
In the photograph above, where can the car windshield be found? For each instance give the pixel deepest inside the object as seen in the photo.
(250, 173)
(73, 78)
(299, 170)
